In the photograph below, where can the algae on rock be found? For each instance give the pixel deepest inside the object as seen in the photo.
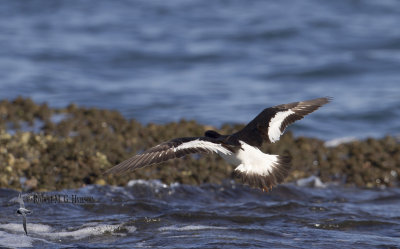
(41, 151)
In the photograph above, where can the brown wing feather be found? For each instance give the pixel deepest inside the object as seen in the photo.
(160, 153)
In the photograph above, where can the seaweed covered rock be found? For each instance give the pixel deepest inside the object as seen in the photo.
(44, 148)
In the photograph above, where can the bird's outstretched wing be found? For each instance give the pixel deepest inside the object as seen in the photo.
(270, 124)
(174, 148)
(20, 200)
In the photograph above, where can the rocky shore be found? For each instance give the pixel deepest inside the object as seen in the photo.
(43, 148)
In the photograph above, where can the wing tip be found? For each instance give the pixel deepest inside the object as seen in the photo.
(109, 172)
(117, 170)
(326, 100)
(319, 101)
(303, 108)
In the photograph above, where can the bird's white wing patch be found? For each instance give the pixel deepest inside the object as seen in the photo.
(210, 146)
(21, 201)
(274, 128)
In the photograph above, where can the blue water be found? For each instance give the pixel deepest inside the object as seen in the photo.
(213, 61)
(148, 214)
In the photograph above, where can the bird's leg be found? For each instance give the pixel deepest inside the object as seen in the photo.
(267, 189)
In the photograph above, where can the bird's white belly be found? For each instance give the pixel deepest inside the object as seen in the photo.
(250, 159)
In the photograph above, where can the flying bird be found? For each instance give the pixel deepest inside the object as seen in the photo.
(241, 149)
(23, 211)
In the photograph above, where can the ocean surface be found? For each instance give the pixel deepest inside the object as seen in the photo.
(149, 214)
(215, 62)
(212, 61)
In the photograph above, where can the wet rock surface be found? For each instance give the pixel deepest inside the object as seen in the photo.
(43, 148)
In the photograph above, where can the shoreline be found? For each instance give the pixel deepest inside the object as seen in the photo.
(43, 149)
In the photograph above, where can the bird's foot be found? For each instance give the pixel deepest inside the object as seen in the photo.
(266, 189)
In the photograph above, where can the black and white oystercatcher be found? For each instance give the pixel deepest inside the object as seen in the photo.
(241, 149)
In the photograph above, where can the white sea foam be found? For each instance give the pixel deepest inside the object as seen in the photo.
(155, 184)
(150, 183)
(15, 241)
(337, 141)
(312, 181)
(88, 230)
(17, 227)
(190, 228)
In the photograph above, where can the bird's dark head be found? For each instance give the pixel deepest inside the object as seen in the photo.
(212, 134)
